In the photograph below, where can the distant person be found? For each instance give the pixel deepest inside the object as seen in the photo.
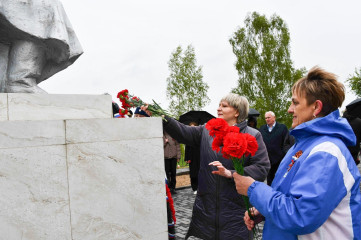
(355, 123)
(115, 108)
(172, 155)
(192, 155)
(130, 113)
(252, 122)
(276, 137)
(140, 113)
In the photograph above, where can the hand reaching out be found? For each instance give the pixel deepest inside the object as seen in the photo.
(145, 109)
(222, 171)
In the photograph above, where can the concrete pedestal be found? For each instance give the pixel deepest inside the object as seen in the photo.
(68, 170)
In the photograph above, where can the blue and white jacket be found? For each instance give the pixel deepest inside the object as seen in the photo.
(317, 195)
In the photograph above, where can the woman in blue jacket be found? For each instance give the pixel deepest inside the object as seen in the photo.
(316, 190)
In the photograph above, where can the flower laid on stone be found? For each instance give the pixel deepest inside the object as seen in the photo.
(129, 101)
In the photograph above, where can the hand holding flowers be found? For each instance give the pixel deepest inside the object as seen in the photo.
(242, 183)
(128, 101)
(255, 219)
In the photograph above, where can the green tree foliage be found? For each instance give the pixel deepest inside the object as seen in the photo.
(185, 87)
(265, 69)
(354, 82)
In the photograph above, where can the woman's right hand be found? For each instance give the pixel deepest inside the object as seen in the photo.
(145, 109)
(248, 221)
(222, 171)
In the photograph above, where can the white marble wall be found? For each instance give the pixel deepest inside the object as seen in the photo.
(3, 107)
(82, 179)
(25, 106)
(34, 201)
(123, 175)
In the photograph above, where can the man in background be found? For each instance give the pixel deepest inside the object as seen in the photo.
(277, 140)
(140, 113)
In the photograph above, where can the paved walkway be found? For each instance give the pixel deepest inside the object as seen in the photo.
(183, 204)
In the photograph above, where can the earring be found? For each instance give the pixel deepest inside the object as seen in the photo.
(314, 116)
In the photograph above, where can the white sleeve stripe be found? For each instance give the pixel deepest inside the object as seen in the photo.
(339, 223)
(335, 151)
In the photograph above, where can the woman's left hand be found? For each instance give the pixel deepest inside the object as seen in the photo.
(242, 183)
(222, 171)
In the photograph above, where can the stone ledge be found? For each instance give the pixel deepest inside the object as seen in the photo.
(182, 171)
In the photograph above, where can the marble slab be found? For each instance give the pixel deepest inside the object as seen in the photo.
(117, 190)
(25, 106)
(3, 107)
(17, 134)
(34, 201)
(95, 130)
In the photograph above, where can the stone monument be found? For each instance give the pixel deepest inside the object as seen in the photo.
(36, 41)
(68, 170)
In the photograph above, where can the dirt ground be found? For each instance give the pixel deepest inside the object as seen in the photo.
(183, 180)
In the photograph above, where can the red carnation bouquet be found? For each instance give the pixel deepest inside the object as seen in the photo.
(129, 101)
(234, 146)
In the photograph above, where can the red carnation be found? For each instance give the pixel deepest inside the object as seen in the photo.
(252, 145)
(217, 127)
(217, 144)
(123, 94)
(233, 129)
(234, 145)
(123, 111)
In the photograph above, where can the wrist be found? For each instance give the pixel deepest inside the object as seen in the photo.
(229, 174)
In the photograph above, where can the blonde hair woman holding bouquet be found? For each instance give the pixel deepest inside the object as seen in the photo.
(218, 208)
(316, 190)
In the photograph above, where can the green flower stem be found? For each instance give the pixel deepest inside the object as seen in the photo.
(239, 167)
(154, 108)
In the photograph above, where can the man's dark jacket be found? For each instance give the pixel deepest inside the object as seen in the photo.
(355, 124)
(277, 141)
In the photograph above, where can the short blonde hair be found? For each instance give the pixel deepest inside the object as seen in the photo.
(238, 102)
(323, 86)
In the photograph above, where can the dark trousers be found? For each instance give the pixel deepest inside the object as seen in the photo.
(170, 165)
(272, 172)
(194, 183)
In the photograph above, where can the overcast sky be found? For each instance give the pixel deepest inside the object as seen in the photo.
(127, 44)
